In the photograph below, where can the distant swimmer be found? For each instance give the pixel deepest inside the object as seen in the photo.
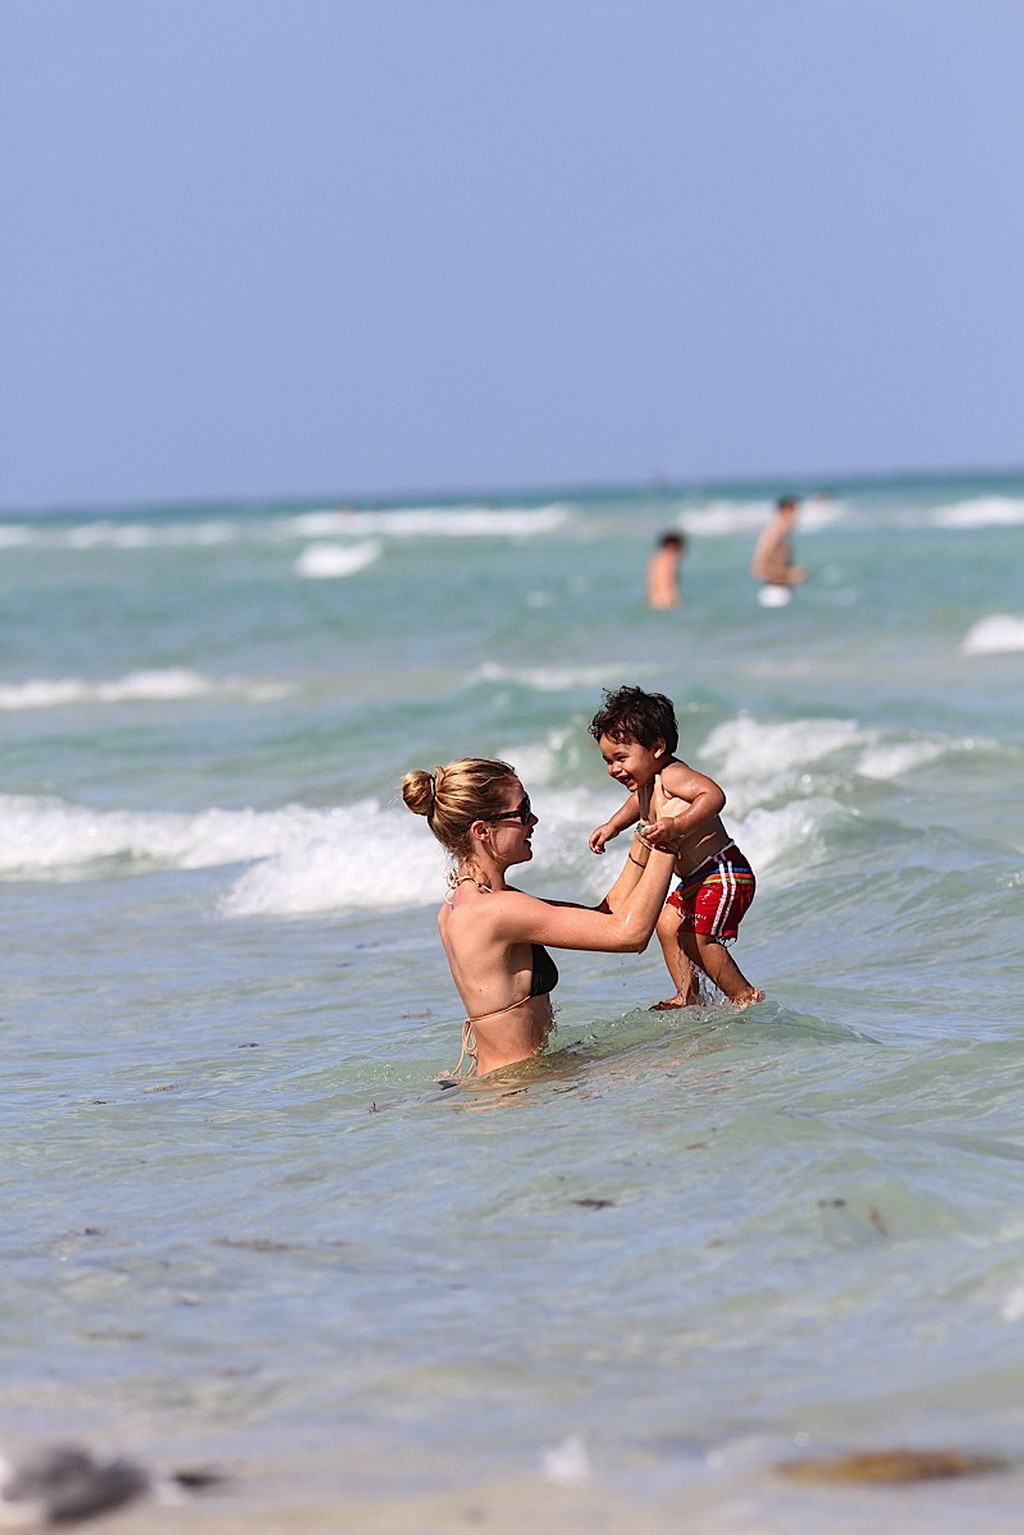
(663, 572)
(772, 563)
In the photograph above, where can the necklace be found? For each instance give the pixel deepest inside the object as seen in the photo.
(455, 880)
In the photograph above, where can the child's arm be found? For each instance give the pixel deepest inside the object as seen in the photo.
(626, 815)
(705, 800)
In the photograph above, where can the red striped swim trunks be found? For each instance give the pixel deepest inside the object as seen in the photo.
(714, 896)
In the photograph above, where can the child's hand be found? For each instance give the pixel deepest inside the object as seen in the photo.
(601, 836)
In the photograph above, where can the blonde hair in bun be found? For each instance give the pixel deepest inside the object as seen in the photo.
(419, 790)
(455, 796)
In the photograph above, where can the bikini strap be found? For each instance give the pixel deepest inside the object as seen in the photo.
(469, 1049)
(479, 1018)
(469, 1042)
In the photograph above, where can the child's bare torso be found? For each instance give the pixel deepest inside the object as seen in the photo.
(698, 848)
(704, 840)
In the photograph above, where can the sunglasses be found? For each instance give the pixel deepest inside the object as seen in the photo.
(521, 813)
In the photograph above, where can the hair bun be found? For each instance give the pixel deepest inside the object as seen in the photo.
(419, 790)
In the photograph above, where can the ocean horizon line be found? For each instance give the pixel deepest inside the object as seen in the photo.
(652, 488)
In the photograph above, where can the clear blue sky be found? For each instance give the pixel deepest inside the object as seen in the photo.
(261, 247)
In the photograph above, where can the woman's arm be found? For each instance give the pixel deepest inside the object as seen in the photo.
(622, 924)
(625, 919)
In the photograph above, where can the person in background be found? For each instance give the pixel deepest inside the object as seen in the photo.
(772, 563)
(663, 571)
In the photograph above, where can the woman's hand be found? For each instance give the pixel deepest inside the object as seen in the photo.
(643, 801)
(663, 805)
(662, 831)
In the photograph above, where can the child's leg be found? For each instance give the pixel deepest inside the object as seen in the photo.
(718, 965)
(676, 962)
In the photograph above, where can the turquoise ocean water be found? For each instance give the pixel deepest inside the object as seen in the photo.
(242, 1220)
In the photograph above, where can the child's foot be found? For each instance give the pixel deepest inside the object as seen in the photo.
(671, 1003)
(748, 998)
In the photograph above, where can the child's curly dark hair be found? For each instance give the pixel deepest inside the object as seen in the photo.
(630, 714)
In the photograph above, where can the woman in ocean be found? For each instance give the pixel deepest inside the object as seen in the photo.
(493, 934)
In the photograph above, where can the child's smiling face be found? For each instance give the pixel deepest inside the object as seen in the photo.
(631, 764)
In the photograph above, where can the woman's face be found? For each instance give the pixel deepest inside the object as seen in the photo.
(512, 831)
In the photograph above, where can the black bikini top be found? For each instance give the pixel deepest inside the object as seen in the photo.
(545, 972)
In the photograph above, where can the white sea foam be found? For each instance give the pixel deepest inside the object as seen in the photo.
(779, 777)
(106, 533)
(747, 749)
(398, 522)
(536, 761)
(143, 535)
(780, 843)
(358, 856)
(785, 842)
(160, 686)
(758, 761)
(302, 860)
(327, 561)
(362, 855)
(980, 512)
(721, 518)
(45, 835)
(381, 857)
(14, 534)
(426, 522)
(548, 679)
(999, 634)
(822, 512)
(888, 760)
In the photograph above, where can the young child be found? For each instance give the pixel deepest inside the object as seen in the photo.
(637, 735)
